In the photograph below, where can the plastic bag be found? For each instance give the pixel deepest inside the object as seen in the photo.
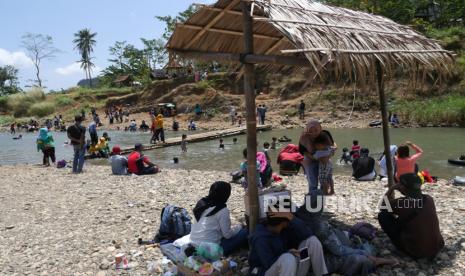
(210, 251)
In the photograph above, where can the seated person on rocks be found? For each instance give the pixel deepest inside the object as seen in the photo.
(363, 168)
(404, 162)
(289, 160)
(342, 256)
(119, 163)
(214, 222)
(244, 172)
(411, 222)
(275, 247)
(140, 164)
(383, 164)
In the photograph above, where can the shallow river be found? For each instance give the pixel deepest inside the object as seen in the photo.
(439, 144)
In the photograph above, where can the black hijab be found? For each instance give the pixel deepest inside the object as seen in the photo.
(217, 197)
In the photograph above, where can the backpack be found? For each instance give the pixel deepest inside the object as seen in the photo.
(175, 223)
(364, 230)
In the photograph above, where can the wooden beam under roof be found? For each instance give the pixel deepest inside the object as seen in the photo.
(212, 23)
(225, 31)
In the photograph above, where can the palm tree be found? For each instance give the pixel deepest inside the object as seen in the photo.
(85, 42)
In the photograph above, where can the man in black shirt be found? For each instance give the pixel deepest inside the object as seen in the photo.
(77, 135)
(364, 167)
(302, 110)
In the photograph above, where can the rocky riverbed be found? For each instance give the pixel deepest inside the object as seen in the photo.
(56, 223)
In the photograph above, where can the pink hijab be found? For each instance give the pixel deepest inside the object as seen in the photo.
(261, 157)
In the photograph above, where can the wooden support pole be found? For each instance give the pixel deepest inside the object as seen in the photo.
(249, 91)
(384, 115)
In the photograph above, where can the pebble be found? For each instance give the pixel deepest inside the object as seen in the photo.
(71, 234)
(104, 265)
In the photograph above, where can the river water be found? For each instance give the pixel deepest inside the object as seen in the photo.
(439, 144)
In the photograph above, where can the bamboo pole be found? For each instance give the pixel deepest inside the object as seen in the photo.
(387, 142)
(249, 91)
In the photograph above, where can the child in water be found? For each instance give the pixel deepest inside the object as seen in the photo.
(355, 153)
(273, 142)
(184, 143)
(325, 167)
(266, 148)
(221, 144)
(345, 156)
(234, 140)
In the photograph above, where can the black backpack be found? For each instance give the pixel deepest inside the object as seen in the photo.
(175, 223)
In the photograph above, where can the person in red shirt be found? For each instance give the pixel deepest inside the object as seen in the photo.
(355, 150)
(140, 164)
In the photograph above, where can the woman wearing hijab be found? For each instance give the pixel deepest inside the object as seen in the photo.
(307, 149)
(214, 222)
(46, 144)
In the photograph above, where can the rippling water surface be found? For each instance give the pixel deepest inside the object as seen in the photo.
(439, 144)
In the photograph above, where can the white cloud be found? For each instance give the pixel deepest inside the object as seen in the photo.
(73, 69)
(17, 59)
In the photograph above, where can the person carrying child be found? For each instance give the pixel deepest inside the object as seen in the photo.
(323, 153)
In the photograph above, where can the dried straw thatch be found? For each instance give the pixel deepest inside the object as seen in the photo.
(351, 41)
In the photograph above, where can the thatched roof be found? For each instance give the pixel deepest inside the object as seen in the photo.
(352, 41)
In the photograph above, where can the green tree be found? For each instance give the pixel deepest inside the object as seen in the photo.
(38, 47)
(8, 80)
(170, 22)
(84, 41)
(155, 52)
(127, 60)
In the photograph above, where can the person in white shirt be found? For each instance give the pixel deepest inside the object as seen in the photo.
(214, 222)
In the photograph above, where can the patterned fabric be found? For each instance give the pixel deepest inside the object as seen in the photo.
(325, 173)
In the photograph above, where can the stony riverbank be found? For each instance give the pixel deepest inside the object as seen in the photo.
(56, 223)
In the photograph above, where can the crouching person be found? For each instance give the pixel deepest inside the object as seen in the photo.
(140, 164)
(214, 222)
(278, 244)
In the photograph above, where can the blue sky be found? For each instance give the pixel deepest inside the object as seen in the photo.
(113, 20)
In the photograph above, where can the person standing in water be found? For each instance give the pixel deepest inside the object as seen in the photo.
(184, 143)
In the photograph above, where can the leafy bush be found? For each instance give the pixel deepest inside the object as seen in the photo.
(3, 104)
(443, 110)
(63, 100)
(6, 120)
(41, 109)
(291, 112)
(21, 102)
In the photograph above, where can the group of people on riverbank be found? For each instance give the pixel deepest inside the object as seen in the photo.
(287, 243)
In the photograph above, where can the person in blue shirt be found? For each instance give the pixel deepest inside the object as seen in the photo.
(276, 245)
